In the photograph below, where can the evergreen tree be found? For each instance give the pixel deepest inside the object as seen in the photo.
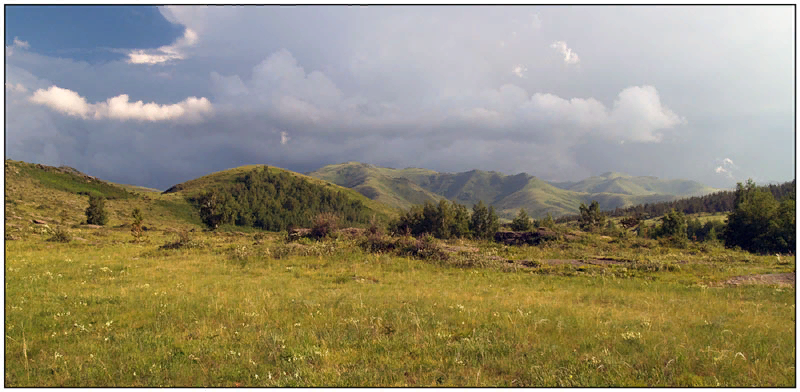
(522, 222)
(591, 218)
(96, 213)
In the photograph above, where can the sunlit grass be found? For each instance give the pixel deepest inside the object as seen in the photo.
(229, 313)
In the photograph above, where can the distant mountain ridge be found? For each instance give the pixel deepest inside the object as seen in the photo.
(401, 188)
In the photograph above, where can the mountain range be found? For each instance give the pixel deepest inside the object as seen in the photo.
(402, 188)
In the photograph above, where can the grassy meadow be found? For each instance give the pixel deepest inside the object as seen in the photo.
(233, 308)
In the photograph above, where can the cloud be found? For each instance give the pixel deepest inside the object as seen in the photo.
(570, 57)
(285, 138)
(21, 44)
(17, 43)
(520, 70)
(726, 168)
(69, 102)
(16, 88)
(164, 54)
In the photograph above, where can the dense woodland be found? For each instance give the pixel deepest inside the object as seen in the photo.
(715, 202)
(275, 202)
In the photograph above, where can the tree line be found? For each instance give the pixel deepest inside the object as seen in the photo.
(722, 201)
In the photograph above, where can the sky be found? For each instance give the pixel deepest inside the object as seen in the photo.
(155, 96)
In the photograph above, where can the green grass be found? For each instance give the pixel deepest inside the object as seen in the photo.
(245, 308)
(122, 314)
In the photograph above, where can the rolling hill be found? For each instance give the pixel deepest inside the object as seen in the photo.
(52, 194)
(507, 193)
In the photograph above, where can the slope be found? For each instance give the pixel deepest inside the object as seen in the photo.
(395, 188)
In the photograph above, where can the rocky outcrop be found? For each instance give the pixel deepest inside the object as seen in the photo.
(525, 237)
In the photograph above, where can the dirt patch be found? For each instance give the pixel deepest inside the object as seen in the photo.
(779, 279)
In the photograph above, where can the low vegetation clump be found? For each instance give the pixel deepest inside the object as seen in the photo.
(61, 234)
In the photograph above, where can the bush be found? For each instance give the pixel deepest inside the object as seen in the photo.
(324, 225)
(183, 240)
(96, 213)
(61, 234)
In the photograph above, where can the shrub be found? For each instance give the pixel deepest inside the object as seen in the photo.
(183, 240)
(96, 213)
(259, 237)
(324, 225)
(60, 234)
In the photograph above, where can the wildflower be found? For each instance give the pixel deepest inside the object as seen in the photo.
(108, 323)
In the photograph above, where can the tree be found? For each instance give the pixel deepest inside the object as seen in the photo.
(673, 224)
(522, 222)
(591, 218)
(96, 213)
(547, 222)
(484, 222)
(136, 226)
(758, 223)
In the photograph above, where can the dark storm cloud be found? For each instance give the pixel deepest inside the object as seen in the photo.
(645, 90)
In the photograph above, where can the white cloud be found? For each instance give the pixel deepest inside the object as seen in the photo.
(66, 101)
(520, 70)
(570, 57)
(726, 168)
(285, 138)
(176, 51)
(21, 44)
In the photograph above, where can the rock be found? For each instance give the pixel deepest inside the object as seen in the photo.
(39, 222)
(297, 233)
(525, 237)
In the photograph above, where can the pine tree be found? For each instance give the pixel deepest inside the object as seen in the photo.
(522, 222)
(96, 213)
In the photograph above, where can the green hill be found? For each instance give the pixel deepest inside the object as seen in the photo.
(231, 177)
(507, 193)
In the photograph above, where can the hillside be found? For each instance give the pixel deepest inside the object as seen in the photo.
(228, 179)
(507, 193)
(50, 194)
(380, 184)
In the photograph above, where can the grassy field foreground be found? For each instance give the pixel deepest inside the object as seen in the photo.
(228, 310)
